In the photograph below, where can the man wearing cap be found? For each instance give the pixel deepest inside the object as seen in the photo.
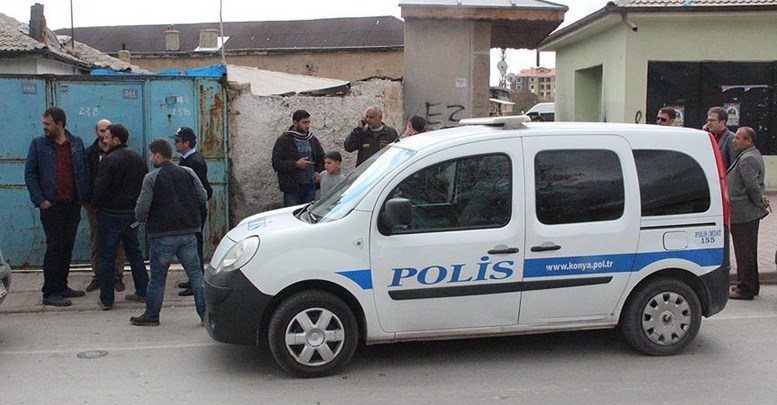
(169, 204)
(185, 142)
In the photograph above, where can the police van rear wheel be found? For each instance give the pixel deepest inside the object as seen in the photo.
(662, 318)
(313, 334)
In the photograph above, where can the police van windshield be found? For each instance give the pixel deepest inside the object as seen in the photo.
(345, 196)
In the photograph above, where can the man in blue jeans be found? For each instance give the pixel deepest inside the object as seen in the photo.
(169, 205)
(116, 189)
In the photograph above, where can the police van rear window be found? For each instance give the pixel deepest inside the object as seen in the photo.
(671, 183)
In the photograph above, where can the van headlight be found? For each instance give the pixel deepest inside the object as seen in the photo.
(240, 254)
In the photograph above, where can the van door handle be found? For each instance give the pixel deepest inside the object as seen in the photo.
(545, 247)
(504, 251)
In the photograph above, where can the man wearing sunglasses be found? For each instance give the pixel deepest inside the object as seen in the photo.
(666, 116)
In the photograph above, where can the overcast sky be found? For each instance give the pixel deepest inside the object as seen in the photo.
(89, 13)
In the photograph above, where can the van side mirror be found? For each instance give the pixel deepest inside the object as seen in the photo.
(397, 213)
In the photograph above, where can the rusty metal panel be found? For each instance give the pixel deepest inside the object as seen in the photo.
(213, 131)
(149, 106)
(22, 102)
(87, 101)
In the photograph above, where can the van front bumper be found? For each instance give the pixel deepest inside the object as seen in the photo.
(234, 307)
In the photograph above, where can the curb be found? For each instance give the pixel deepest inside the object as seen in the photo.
(25, 296)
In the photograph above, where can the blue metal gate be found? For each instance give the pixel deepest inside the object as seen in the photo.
(149, 106)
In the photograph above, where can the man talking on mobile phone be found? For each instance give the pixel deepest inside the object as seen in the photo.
(298, 158)
(370, 136)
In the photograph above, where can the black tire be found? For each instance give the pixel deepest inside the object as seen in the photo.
(319, 350)
(662, 317)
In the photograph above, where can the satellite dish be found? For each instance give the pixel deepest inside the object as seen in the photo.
(511, 77)
(502, 66)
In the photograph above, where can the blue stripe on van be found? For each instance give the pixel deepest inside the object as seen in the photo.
(361, 277)
(622, 263)
(575, 265)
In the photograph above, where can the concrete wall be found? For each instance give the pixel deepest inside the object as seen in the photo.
(256, 121)
(350, 65)
(446, 70)
(579, 63)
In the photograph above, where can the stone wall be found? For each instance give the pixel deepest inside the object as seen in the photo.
(256, 121)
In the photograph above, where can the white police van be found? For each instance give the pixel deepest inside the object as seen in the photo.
(504, 228)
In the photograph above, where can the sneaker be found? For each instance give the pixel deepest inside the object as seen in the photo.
(134, 297)
(185, 293)
(71, 293)
(103, 306)
(185, 284)
(143, 321)
(56, 301)
(93, 285)
(119, 285)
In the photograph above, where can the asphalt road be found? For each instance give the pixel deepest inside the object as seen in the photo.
(733, 360)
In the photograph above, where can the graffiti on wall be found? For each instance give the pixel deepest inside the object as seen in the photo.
(440, 115)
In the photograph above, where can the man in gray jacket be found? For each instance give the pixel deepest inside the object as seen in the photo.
(748, 205)
(169, 205)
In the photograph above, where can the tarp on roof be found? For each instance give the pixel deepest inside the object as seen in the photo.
(269, 83)
(207, 71)
(263, 82)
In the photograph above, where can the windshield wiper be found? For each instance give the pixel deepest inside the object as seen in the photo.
(312, 218)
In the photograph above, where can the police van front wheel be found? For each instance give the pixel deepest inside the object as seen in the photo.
(662, 317)
(313, 334)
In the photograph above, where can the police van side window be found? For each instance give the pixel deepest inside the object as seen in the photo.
(670, 183)
(575, 186)
(468, 193)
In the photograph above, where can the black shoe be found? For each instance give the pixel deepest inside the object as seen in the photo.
(93, 285)
(143, 321)
(185, 293)
(71, 293)
(103, 306)
(185, 284)
(56, 301)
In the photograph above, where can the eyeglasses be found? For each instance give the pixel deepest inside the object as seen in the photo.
(662, 119)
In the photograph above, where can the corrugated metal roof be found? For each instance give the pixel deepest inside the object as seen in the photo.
(334, 33)
(519, 4)
(693, 3)
(269, 83)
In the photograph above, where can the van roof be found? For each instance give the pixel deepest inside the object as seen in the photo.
(497, 129)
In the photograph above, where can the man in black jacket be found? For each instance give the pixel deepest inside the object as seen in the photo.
(116, 189)
(370, 136)
(169, 204)
(94, 155)
(185, 142)
(298, 158)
